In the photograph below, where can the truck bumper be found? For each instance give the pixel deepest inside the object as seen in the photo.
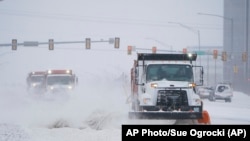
(165, 115)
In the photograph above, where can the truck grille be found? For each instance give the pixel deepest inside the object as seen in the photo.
(172, 99)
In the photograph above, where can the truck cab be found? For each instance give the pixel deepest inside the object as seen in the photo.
(60, 80)
(36, 82)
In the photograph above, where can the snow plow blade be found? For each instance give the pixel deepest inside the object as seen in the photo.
(165, 115)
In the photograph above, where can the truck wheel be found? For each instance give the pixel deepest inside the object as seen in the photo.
(228, 100)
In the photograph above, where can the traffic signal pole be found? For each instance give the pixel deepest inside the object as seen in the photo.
(52, 42)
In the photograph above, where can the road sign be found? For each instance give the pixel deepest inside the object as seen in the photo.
(200, 52)
(30, 43)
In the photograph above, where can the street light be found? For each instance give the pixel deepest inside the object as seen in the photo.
(193, 30)
(232, 33)
(226, 18)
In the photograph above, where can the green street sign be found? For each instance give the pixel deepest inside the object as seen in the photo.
(200, 52)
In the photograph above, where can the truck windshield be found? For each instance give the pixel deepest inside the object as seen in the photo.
(37, 78)
(59, 80)
(169, 72)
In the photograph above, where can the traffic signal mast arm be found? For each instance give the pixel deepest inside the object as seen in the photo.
(14, 44)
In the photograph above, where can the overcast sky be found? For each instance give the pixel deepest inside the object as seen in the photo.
(141, 23)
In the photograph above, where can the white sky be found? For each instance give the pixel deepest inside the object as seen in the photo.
(141, 23)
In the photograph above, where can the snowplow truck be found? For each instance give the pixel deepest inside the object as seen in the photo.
(36, 81)
(163, 87)
(63, 80)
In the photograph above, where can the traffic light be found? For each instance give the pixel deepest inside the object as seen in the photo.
(215, 53)
(117, 42)
(51, 44)
(87, 42)
(224, 56)
(154, 49)
(129, 50)
(14, 44)
(244, 56)
(235, 69)
(184, 50)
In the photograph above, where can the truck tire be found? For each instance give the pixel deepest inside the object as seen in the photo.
(228, 100)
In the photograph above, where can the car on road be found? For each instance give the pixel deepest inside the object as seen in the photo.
(205, 92)
(223, 91)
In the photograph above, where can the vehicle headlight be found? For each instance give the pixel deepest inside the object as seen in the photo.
(192, 85)
(51, 88)
(70, 87)
(154, 85)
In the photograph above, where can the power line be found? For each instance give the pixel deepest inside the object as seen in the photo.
(60, 16)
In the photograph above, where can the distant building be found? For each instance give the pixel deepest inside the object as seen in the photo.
(236, 43)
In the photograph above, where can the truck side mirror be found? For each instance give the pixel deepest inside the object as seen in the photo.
(201, 76)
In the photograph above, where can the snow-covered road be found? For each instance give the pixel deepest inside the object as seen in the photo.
(55, 122)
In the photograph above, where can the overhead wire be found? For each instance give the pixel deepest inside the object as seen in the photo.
(66, 17)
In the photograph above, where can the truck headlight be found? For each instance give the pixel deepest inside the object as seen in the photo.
(192, 85)
(70, 87)
(154, 85)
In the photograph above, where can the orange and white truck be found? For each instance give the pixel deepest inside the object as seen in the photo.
(36, 81)
(60, 80)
